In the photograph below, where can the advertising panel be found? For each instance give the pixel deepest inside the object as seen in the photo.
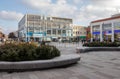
(39, 34)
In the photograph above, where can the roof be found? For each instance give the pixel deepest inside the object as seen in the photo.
(62, 18)
(111, 18)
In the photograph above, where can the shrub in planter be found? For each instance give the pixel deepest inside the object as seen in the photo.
(47, 52)
(25, 52)
(101, 44)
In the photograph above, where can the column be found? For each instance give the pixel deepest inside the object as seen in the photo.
(101, 34)
(112, 27)
(40, 31)
(57, 33)
(91, 29)
(46, 35)
(62, 33)
(27, 34)
(51, 29)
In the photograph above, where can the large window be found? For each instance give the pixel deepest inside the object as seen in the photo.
(107, 26)
(117, 26)
(96, 28)
(117, 31)
(37, 29)
(64, 31)
(54, 31)
(59, 31)
(48, 31)
(31, 29)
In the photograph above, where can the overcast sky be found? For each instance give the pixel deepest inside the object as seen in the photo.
(81, 11)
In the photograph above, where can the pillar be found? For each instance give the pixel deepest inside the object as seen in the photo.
(91, 29)
(112, 38)
(101, 34)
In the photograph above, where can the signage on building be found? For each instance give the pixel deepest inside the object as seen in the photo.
(117, 31)
(38, 35)
(96, 33)
(41, 34)
(29, 34)
(109, 32)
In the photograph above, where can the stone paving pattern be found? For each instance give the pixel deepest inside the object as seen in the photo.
(93, 65)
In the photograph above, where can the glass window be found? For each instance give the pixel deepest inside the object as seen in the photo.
(54, 31)
(48, 31)
(64, 31)
(117, 26)
(59, 31)
(96, 28)
(107, 26)
(31, 29)
(36, 29)
(117, 31)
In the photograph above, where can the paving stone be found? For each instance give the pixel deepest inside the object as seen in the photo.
(6, 76)
(15, 76)
(93, 65)
(73, 78)
(105, 75)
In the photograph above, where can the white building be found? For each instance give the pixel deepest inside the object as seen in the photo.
(79, 31)
(107, 29)
(37, 27)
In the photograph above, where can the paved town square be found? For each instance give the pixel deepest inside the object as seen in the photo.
(93, 65)
(60, 39)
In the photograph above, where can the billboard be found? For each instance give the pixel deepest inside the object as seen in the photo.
(29, 34)
(36, 34)
(39, 34)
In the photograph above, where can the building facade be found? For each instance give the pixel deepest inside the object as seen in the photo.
(1, 34)
(79, 32)
(38, 27)
(107, 29)
(88, 34)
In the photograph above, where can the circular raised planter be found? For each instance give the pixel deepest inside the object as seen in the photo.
(88, 49)
(63, 60)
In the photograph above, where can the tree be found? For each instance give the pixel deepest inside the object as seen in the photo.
(11, 35)
(115, 36)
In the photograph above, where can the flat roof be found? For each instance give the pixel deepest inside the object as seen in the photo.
(61, 18)
(100, 20)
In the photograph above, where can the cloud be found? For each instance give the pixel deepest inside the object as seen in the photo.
(97, 9)
(82, 11)
(59, 8)
(77, 1)
(7, 29)
(63, 9)
(3, 29)
(107, 3)
(37, 4)
(10, 15)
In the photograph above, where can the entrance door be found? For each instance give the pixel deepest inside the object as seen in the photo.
(36, 39)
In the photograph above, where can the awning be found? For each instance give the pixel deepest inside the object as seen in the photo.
(82, 37)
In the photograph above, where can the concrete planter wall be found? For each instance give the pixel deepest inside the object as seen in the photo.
(39, 64)
(89, 49)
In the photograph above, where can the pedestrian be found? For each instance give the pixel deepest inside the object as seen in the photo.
(43, 42)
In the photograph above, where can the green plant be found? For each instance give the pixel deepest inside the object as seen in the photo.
(101, 44)
(47, 52)
(25, 51)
